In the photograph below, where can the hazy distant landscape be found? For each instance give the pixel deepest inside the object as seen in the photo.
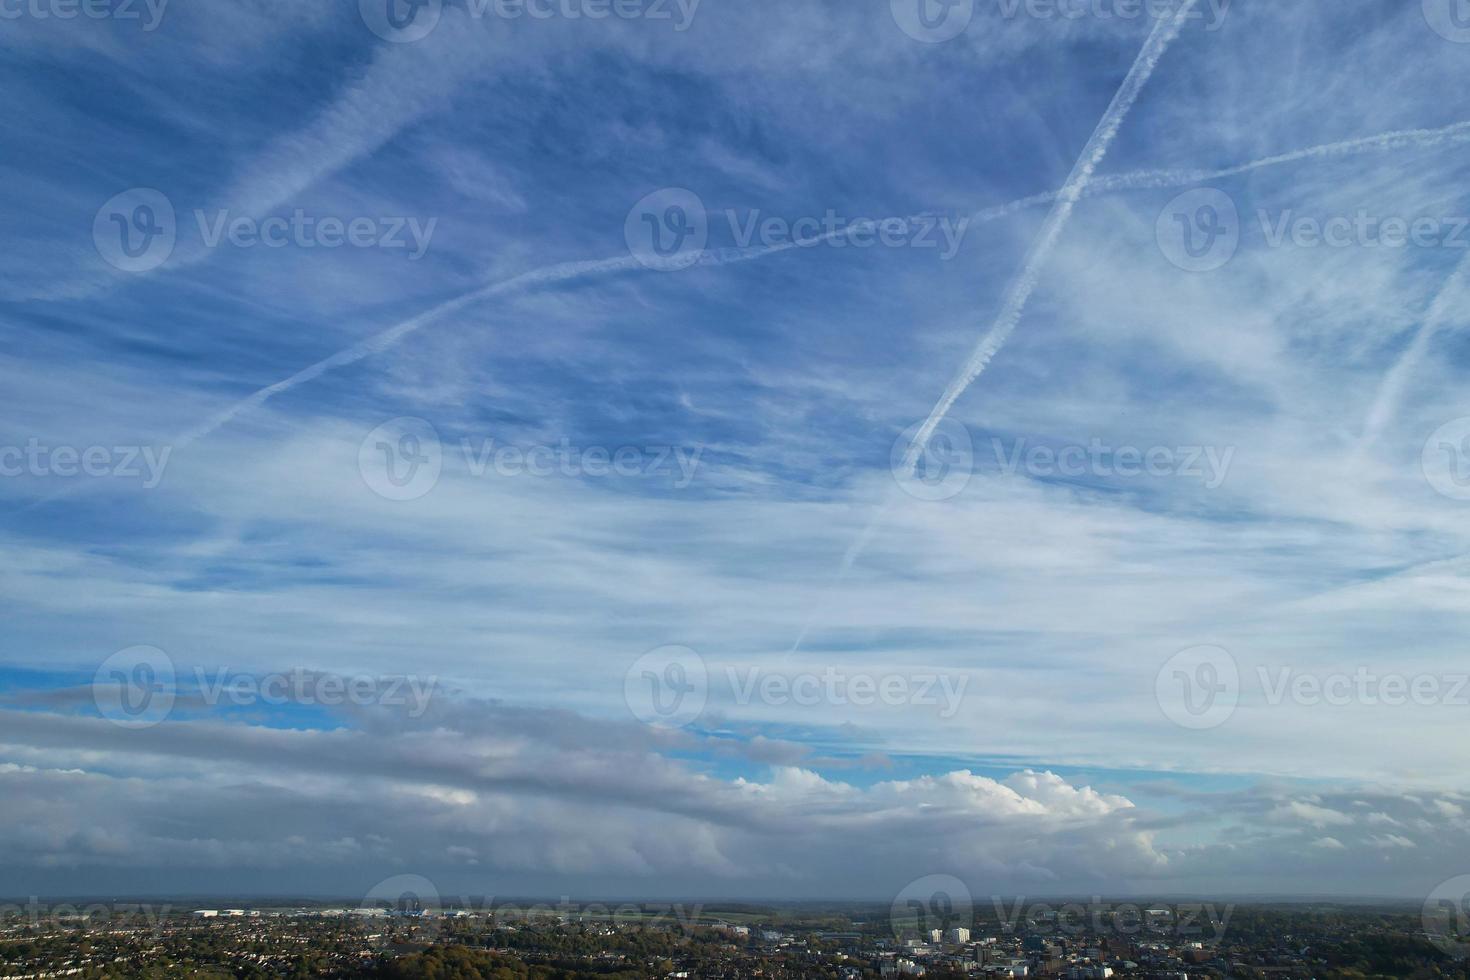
(1087, 937)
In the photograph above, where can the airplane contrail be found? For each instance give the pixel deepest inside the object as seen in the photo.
(1393, 384)
(560, 272)
(1024, 284)
(388, 337)
(1018, 293)
(377, 343)
(1135, 180)
(383, 339)
(1158, 179)
(1382, 142)
(849, 558)
(1391, 389)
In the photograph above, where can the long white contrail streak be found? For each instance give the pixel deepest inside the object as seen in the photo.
(1137, 180)
(1383, 142)
(384, 339)
(561, 272)
(566, 271)
(1018, 293)
(1145, 180)
(854, 550)
(1391, 389)
(1013, 304)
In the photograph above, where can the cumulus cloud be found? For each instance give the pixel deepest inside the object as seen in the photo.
(515, 789)
(475, 788)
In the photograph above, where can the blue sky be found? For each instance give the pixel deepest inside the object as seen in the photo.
(315, 452)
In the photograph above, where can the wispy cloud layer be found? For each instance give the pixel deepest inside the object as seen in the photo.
(1176, 603)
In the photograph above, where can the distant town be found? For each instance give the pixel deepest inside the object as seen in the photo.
(1090, 938)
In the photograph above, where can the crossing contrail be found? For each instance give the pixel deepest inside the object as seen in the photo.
(1393, 384)
(1455, 133)
(1013, 305)
(1158, 179)
(1018, 293)
(566, 271)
